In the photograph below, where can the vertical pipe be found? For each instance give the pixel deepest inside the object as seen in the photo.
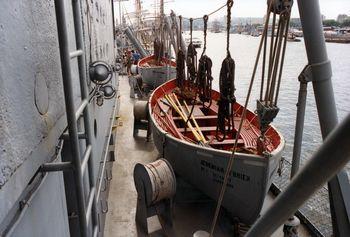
(84, 95)
(299, 127)
(113, 20)
(338, 187)
(70, 110)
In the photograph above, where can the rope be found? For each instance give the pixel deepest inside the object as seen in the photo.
(227, 87)
(228, 26)
(180, 69)
(205, 19)
(230, 162)
(211, 13)
(282, 62)
(191, 60)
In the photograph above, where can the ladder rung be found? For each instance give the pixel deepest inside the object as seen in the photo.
(76, 53)
(81, 108)
(85, 159)
(90, 202)
(65, 136)
(60, 166)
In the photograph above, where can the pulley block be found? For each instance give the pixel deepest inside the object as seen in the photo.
(280, 6)
(266, 114)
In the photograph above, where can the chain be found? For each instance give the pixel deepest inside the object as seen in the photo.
(205, 19)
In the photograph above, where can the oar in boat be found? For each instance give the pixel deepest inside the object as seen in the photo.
(170, 126)
(193, 119)
(195, 122)
(184, 118)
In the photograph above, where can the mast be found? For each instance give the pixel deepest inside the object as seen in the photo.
(338, 187)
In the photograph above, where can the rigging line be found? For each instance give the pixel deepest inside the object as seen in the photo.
(228, 26)
(282, 60)
(211, 13)
(275, 58)
(276, 61)
(263, 68)
(270, 56)
(230, 162)
(205, 19)
(127, 13)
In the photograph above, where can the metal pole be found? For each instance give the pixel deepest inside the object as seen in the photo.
(78, 28)
(320, 168)
(338, 187)
(299, 128)
(136, 42)
(69, 101)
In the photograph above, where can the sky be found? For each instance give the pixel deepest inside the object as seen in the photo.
(241, 8)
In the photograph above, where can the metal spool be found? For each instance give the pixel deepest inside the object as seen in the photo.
(141, 110)
(158, 179)
(134, 69)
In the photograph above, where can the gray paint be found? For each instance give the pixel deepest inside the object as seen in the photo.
(32, 111)
(29, 49)
(49, 197)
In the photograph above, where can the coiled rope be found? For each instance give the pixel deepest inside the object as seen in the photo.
(204, 75)
(227, 87)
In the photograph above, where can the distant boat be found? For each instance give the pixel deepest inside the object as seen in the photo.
(204, 165)
(197, 43)
(216, 27)
(155, 73)
(292, 38)
(297, 33)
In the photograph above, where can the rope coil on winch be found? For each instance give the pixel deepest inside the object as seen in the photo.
(204, 75)
(227, 86)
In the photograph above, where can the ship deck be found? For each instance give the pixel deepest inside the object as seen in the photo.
(189, 216)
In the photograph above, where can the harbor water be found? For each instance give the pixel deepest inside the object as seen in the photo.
(243, 50)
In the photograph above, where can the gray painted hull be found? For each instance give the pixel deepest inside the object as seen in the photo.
(156, 76)
(33, 102)
(204, 168)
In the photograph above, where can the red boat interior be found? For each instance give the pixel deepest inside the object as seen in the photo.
(206, 118)
(152, 62)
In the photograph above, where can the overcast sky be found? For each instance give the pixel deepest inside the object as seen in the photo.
(241, 8)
